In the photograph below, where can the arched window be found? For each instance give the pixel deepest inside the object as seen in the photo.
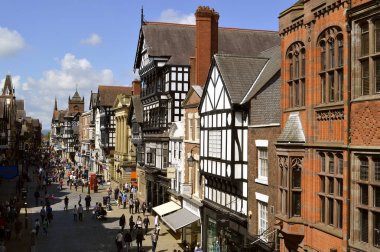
(331, 65)
(296, 75)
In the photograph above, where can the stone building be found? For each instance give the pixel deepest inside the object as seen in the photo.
(313, 148)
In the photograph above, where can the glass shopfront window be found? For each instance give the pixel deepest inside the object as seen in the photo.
(212, 236)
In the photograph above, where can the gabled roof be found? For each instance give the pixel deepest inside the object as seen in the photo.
(93, 98)
(138, 108)
(198, 90)
(76, 97)
(271, 68)
(177, 42)
(238, 73)
(107, 94)
(293, 131)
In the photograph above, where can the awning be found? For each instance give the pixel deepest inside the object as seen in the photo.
(179, 219)
(166, 208)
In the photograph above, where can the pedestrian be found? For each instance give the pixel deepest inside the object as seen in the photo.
(139, 222)
(119, 241)
(75, 212)
(143, 208)
(158, 228)
(198, 248)
(139, 238)
(146, 224)
(80, 199)
(131, 223)
(137, 206)
(42, 213)
(130, 205)
(49, 213)
(37, 226)
(66, 200)
(45, 226)
(82, 184)
(88, 201)
(80, 212)
(128, 240)
(124, 200)
(116, 193)
(122, 221)
(154, 238)
(61, 183)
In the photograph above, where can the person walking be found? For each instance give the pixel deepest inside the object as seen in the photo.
(154, 238)
(139, 238)
(137, 206)
(75, 212)
(131, 223)
(66, 200)
(80, 212)
(119, 241)
(158, 228)
(143, 208)
(146, 224)
(80, 199)
(122, 222)
(130, 206)
(42, 213)
(49, 213)
(139, 222)
(88, 202)
(128, 240)
(198, 248)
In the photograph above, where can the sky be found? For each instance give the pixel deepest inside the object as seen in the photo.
(51, 47)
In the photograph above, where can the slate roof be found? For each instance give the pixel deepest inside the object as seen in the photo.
(238, 73)
(8, 85)
(108, 94)
(93, 98)
(270, 69)
(137, 106)
(293, 131)
(177, 41)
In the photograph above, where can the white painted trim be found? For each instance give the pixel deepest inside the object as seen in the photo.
(264, 125)
(262, 181)
(262, 197)
(261, 143)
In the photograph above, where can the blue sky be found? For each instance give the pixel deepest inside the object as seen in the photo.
(50, 47)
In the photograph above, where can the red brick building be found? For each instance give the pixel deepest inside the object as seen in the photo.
(312, 150)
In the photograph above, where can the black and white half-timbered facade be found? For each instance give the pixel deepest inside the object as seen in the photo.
(224, 114)
(162, 59)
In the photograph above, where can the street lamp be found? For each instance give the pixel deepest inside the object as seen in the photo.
(191, 159)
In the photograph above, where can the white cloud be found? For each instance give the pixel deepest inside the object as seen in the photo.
(173, 16)
(10, 42)
(93, 39)
(62, 82)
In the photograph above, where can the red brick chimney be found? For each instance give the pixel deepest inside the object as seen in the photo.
(136, 86)
(206, 41)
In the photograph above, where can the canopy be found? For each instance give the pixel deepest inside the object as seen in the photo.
(166, 208)
(179, 219)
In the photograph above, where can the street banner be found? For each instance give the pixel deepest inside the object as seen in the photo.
(8, 172)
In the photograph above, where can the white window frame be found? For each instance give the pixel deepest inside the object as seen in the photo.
(262, 219)
(215, 143)
(262, 162)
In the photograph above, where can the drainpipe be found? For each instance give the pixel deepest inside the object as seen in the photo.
(349, 65)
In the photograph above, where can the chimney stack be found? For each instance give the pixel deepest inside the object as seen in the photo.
(136, 86)
(206, 45)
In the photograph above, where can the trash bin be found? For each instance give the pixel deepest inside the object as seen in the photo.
(105, 200)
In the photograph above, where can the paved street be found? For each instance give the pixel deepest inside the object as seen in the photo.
(89, 235)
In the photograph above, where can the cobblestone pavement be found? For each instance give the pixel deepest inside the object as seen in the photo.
(64, 234)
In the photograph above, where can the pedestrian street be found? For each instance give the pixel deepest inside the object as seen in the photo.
(65, 234)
